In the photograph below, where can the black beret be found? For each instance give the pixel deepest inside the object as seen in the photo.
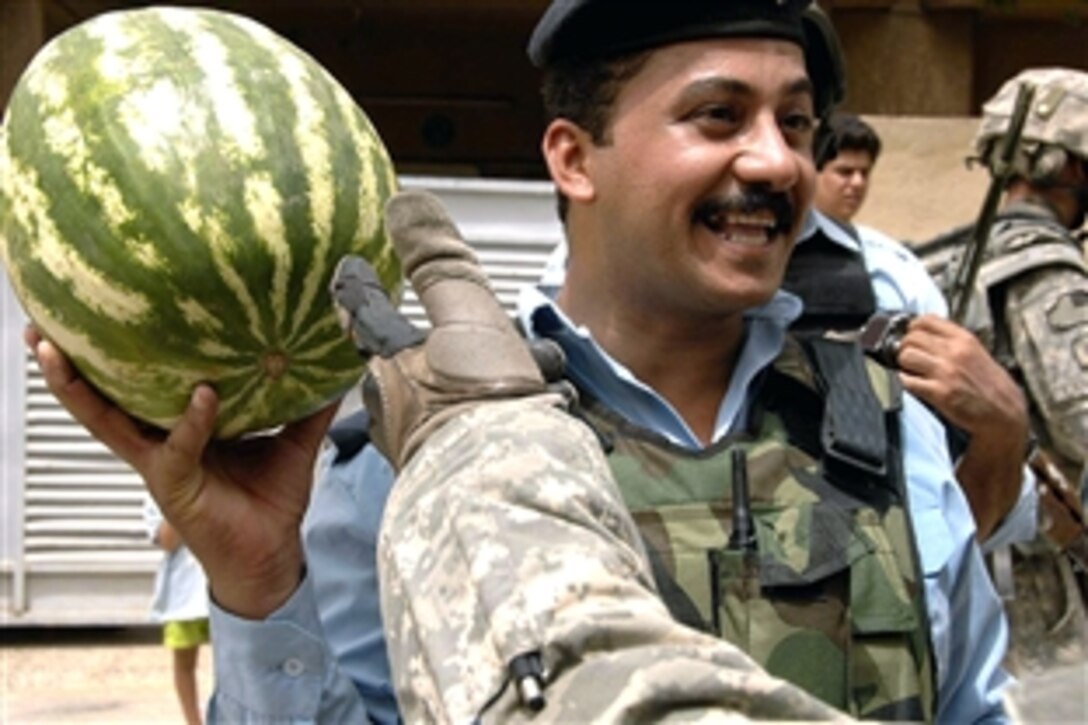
(574, 31)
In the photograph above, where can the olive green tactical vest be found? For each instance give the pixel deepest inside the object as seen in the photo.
(828, 593)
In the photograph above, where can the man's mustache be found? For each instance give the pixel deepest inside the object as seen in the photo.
(749, 201)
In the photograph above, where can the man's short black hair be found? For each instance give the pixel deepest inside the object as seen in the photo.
(846, 132)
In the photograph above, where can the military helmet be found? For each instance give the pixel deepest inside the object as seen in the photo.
(1056, 124)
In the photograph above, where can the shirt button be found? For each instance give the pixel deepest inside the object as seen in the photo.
(293, 667)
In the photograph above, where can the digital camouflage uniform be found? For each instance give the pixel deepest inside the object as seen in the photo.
(518, 492)
(1030, 307)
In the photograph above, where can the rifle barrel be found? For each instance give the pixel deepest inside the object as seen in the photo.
(967, 272)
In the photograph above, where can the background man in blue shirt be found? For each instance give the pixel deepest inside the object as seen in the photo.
(940, 362)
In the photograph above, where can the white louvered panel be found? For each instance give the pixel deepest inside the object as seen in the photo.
(82, 504)
(143, 561)
(511, 225)
(55, 509)
(76, 476)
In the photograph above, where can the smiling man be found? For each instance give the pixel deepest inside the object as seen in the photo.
(790, 500)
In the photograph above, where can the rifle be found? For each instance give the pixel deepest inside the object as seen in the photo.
(1063, 522)
(1001, 171)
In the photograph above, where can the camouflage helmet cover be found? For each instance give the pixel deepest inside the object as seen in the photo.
(1058, 117)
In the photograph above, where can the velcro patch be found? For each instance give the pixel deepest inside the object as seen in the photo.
(1069, 310)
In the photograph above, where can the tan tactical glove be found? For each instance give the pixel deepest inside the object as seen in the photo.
(472, 354)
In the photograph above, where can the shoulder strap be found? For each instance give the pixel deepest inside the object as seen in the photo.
(852, 429)
(1021, 240)
(848, 421)
(833, 283)
(1022, 245)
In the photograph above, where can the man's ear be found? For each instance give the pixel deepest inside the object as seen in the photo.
(566, 148)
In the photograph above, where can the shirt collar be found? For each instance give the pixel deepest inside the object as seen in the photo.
(590, 367)
(819, 223)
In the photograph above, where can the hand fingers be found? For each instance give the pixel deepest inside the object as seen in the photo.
(31, 337)
(942, 336)
(920, 386)
(938, 396)
(102, 419)
(181, 453)
(934, 344)
(938, 326)
(918, 354)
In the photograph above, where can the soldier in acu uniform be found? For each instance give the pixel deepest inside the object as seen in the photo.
(1030, 307)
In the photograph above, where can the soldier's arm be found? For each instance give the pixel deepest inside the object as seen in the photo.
(1047, 313)
(506, 539)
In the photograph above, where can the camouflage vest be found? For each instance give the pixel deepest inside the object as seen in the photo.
(826, 592)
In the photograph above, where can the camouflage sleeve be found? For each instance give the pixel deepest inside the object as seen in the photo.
(506, 535)
(1047, 312)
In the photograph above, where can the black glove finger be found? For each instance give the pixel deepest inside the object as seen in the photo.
(367, 313)
(566, 389)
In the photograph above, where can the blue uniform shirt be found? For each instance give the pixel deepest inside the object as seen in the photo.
(900, 283)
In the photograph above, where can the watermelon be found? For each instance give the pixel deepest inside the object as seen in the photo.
(176, 188)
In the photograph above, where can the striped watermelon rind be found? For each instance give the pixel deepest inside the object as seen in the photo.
(176, 187)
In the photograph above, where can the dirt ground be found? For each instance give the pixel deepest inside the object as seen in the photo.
(60, 676)
(123, 676)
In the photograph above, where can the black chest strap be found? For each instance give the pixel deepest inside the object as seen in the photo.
(853, 427)
(832, 282)
(838, 417)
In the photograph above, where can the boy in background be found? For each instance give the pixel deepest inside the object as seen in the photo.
(180, 604)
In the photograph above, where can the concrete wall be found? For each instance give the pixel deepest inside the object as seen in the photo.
(901, 60)
(921, 185)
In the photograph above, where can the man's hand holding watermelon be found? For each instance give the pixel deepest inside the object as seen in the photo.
(238, 504)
